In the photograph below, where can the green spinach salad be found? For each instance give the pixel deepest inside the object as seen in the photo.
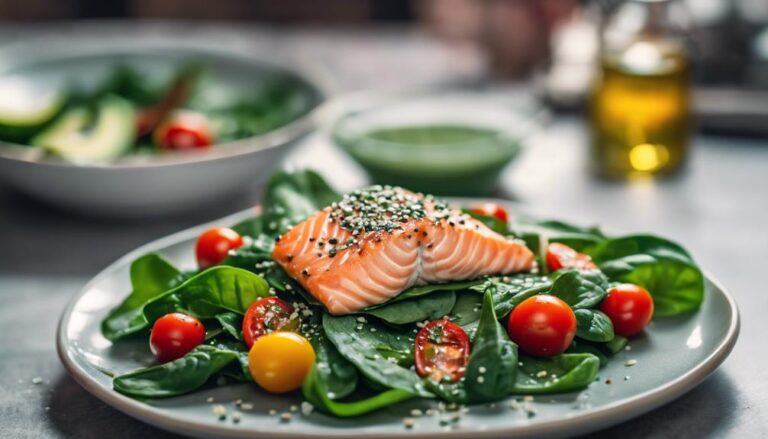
(132, 111)
(241, 316)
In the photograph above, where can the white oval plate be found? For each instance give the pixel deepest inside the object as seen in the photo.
(672, 357)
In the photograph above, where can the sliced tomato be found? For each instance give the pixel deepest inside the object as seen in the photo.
(184, 130)
(492, 209)
(265, 316)
(561, 256)
(441, 351)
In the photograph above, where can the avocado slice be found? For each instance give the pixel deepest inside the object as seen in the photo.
(24, 113)
(85, 137)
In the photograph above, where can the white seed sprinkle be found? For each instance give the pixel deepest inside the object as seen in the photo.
(37, 380)
(294, 408)
(528, 398)
(285, 417)
(272, 412)
(306, 408)
(209, 399)
(416, 413)
(409, 422)
(361, 319)
(630, 363)
(627, 348)
(541, 374)
(481, 369)
(236, 416)
(480, 380)
(246, 406)
(219, 410)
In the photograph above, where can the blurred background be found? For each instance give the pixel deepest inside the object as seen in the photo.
(639, 115)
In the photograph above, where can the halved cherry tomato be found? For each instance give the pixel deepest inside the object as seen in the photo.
(542, 325)
(175, 334)
(280, 361)
(441, 351)
(630, 308)
(267, 315)
(184, 130)
(492, 209)
(214, 244)
(561, 256)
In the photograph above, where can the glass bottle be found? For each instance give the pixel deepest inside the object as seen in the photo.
(640, 110)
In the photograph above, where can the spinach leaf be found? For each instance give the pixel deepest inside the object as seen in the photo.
(209, 293)
(291, 197)
(337, 375)
(467, 310)
(151, 275)
(232, 323)
(177, 377)
(401, 312)
(580, 289)
(369, 344)
(676, 287)
(316, 393)
(638, 244)
(509, 291)
(492, 364)
(251, 227)
(564, 373)
(491, 222)
(423, 290)
(616, 344)
(593, 325)
(536, 232)
(257, 251)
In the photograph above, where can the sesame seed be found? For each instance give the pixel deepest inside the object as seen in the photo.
(236, 416)
(220, 411)
(409, 422)
(285, 417)
(37, 380)
(306, 408)
(630, 363)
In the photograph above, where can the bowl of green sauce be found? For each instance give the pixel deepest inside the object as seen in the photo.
(446, 144)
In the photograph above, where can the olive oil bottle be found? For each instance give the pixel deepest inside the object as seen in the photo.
(640, 110)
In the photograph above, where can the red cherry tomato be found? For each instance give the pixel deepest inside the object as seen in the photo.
(184, 130)
(214, 244)
(441, 350)
(265, 316)
(492, 209)
(542, 325)
(175, 334)
(630, 308)
(561, 256)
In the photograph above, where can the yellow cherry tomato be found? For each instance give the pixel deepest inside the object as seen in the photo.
(279, 361)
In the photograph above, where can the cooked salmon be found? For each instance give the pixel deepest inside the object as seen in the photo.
(377, 242)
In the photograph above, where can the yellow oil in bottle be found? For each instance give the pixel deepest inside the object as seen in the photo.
(640, 111)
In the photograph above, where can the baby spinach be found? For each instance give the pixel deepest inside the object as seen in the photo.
(431, 307)
(292, 197)
(467, 310)
(492, 364)
(337, 375)
(580, 289)
(151, 275)
(369, 345)
(232, 323)
(251, 227)
(491, 222)
(176, 377)
(593, 325)
(564, 373)
(215, 290)
(315, 391)
(536, 232)
(509, 291)
(423, 290)
(258, 250)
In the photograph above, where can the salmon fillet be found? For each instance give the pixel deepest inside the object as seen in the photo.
(377, 242)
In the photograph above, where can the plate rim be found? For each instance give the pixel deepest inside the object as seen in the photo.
(610, 414)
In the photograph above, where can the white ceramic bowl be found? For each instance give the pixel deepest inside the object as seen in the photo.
(145, 185)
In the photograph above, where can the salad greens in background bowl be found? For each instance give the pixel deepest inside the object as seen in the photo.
(364, 376)
(445, 143)
(144, 127)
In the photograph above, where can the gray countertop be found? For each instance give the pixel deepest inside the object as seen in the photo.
(718, 209)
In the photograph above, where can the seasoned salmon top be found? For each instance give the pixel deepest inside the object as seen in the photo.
(377, 242)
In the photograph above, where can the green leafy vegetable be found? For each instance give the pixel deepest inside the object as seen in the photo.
(315, 392)
(337, 375)
(564, 373)
(369, 347)
(177, 377)
(423, 290)
(509, 291)
(292, 197)
(535, 232)
(251, 227)
(232, 323)
(151, 275)
(593, 325)
(431, 307)
(492, 222)
(580, 289)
